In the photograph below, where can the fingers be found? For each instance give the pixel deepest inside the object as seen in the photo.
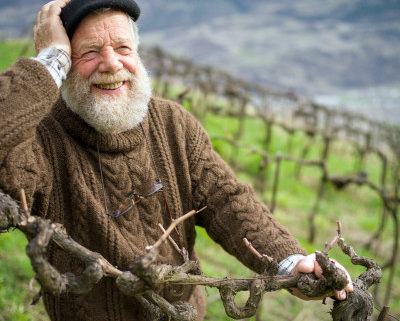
(56, 7)
(317, 269)
(44, 12)
(349, 286)
(48, 29)
(52, 8)
(309, 264)
(305, 265)
(56, 3)
(341, 295)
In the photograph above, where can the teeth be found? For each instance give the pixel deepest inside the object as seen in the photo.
(110, 86)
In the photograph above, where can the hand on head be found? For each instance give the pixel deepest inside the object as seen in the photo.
(309, 264)
(49, 30)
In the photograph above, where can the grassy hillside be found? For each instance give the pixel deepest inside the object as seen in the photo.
(357, 208)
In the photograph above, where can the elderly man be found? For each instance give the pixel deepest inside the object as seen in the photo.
(79, 154)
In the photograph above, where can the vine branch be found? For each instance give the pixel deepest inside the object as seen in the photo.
(145, 277)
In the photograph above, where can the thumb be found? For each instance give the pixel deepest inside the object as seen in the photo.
(305, 265)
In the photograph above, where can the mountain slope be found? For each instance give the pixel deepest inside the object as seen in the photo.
(309, 46)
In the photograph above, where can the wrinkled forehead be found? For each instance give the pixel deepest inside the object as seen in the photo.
(104, 26)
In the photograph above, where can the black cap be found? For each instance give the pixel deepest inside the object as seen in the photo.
(74, 12)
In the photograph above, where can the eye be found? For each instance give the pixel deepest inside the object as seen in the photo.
(89, 54)
(124, 50)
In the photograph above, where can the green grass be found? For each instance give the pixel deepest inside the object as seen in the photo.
(15, 275)
(358, 209)
(11, 50)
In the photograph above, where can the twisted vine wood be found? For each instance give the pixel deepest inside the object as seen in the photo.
(145, 276)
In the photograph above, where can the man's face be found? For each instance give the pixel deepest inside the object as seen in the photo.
(103, 43)
(108, 85)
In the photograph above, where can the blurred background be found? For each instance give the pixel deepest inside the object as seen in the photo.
(342, 54)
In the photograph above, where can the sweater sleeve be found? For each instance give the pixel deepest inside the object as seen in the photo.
(27, 93)
(233, 210)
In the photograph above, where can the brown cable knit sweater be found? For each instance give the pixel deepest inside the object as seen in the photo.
(51, 153)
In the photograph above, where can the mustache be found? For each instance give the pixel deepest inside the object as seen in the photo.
(108, 78)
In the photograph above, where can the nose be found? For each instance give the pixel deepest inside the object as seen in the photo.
(109, 61)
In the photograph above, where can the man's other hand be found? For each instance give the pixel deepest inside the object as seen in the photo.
(309, 264)
(49, 30)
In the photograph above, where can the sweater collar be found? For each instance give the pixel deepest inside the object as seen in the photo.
(87, 135)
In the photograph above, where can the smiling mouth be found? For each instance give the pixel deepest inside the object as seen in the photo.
(112, 86)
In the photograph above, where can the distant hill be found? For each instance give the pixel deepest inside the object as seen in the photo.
(309, 46)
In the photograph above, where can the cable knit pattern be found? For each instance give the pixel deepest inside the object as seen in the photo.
(233, 212)
(51, 153)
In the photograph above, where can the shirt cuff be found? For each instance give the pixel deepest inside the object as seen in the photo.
(286, 266)
(57, 61)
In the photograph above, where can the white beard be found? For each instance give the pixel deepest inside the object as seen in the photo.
(105, 113)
